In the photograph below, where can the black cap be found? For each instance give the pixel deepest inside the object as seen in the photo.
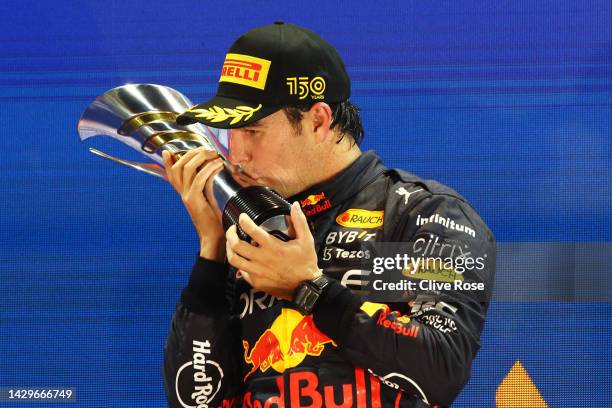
(268, 68)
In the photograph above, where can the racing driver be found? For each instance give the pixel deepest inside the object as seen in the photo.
(272, 323)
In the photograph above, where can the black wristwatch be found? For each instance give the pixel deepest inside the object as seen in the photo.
(308, 293)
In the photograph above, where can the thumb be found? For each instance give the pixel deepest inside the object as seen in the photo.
(300, 223)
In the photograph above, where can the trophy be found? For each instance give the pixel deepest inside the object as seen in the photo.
(143, 116)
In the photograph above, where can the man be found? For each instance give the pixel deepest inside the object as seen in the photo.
(274, 323)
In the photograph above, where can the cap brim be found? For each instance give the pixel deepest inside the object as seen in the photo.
(225, 113)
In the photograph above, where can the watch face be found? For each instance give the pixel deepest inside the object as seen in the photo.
(310, 299)
(306, 297)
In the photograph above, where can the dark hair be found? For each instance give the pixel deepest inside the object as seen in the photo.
(345, 116)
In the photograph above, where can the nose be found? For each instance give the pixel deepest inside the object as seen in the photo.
(237, 147)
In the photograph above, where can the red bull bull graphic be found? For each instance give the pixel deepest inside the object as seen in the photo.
(286, 343)
(264, 354)
(315, 204)
(312, 199)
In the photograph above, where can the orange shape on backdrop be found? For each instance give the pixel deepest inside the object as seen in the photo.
(518, 390)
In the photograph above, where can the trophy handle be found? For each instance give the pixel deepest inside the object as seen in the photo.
(149, 168)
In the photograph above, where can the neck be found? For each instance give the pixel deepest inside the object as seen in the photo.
(337, 157)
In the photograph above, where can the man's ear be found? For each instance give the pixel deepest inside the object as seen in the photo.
(321, 118)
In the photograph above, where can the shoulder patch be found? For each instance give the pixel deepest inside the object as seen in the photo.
(407, 192)
(413, 183)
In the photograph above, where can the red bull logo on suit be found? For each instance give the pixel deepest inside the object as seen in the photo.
(286, 343)
(303, 389)
(315, 204)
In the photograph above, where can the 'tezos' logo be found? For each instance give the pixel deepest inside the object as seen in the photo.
(245, 70)
(198, 381)
(314, 205)
(286, 343)
(358, 218)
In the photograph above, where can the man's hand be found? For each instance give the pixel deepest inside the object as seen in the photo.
(272, 265)
(191, 176)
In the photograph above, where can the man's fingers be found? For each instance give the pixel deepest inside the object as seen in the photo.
(184, 159)
(199, 182)
(236, 260)
(168, 162)
(168, 159)
(256, 233)
(209, 188)
(299, 221)
(231, 235)
(233, 258)
(247, 277)
(238, 246)
(204, 174)
(193, 166)
(176, 169)
(179, 165)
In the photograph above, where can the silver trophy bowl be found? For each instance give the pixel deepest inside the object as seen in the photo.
(143, 116)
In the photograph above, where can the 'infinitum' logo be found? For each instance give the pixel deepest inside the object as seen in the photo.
(446, 222)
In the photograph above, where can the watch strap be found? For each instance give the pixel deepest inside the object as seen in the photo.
(308, 293)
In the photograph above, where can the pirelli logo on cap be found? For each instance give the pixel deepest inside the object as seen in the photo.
(358, 218)
(245, 70)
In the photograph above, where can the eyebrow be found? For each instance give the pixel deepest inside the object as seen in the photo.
(254, 125)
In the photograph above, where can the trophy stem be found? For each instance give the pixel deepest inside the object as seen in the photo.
(225, 188)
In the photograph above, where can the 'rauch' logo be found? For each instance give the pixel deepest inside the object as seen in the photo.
(358, 218)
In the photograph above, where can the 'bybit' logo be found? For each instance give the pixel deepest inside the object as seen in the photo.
(358, 218)
(245, 70)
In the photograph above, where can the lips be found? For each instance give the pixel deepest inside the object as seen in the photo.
(244, 179)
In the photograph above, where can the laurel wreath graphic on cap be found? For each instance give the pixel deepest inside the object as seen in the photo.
(218, 114)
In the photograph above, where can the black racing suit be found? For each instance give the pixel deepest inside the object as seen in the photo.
(232, 345)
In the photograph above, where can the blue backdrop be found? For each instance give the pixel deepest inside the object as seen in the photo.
(508, 102)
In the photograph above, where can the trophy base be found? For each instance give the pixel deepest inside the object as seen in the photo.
(265, 207)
